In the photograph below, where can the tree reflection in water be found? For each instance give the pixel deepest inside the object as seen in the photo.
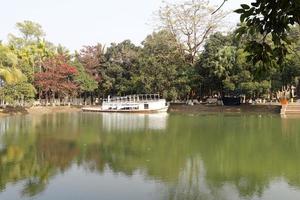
(196, 157)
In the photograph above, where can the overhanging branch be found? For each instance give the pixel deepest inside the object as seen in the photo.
(219, 7)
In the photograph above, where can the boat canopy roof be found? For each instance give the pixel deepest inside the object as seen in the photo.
(133, 98)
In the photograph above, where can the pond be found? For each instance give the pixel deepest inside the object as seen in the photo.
(157, 156)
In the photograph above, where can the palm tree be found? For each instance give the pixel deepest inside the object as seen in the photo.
(8, 71)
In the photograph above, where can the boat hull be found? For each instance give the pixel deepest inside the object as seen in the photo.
(165, 109)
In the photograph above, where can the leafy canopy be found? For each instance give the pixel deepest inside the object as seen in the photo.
(272, 18)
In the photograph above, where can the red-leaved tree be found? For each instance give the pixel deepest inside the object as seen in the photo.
(56, 78)
(92, 58)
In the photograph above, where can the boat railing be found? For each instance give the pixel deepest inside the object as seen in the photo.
(133, 98)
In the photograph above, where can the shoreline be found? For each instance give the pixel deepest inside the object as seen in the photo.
(271, 109)
(38, 110)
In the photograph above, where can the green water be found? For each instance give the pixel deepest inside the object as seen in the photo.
(157, 156)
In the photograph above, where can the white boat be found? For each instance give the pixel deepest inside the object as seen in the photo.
(132, 103)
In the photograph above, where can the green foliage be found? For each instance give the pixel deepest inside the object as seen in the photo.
(30, 29)
(228, 85)
(8, 63)
(7, 57)
(226, 70)
(15, 85)
(258, 89)
(122, 63)
(211, 73)
(163, 68)
(17, 64)
(84, 80)
(18, 91)
(242, 62)
(269, 18)
(31, 57)
(30, 33)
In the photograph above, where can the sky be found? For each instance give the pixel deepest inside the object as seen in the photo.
(74, 23)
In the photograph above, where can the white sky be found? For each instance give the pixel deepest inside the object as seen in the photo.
(74, 23)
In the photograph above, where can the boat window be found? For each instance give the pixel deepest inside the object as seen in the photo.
(146, 106)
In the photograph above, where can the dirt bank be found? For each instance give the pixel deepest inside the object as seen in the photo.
(227, 109)
(173, 109)
(37, 110)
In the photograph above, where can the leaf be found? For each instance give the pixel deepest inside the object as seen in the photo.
(255, 4)
(239, 11)
(242, 17)
(245, 6)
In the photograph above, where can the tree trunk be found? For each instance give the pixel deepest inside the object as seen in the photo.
(53, 99)
(92, 98)
(46, 103)
(84, 98)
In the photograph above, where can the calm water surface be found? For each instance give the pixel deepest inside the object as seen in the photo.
(157, 156)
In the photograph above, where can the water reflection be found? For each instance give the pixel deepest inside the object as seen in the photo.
(127, 122)
(197, 157)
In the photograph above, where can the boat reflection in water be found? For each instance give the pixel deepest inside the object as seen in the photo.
(127, 122)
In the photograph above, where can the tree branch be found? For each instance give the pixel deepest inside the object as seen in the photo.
(219, 7)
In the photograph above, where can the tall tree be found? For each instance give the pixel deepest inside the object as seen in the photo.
(92, 57)
(31, 47)
(191, 22)
(8, 66)
(224, 69)
(57, 78)
(122, 64)
(85, 81)
(14, 85)
(30, 32)
(163, 68)
(31, 57)
(209, 73)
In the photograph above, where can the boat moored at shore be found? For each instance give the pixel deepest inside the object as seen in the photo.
(132, 103)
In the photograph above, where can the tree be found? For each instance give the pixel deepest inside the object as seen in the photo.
(85, 81)
(92, 57)
(31, 57)
(57, 78)
(272, 18)
(209, 72)
(122, 64)
(224, 69)
(30, 33)
(21, 91)
(30, 47)
(8, 63)
(191, 22)
(162, 68)
(14, 85)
